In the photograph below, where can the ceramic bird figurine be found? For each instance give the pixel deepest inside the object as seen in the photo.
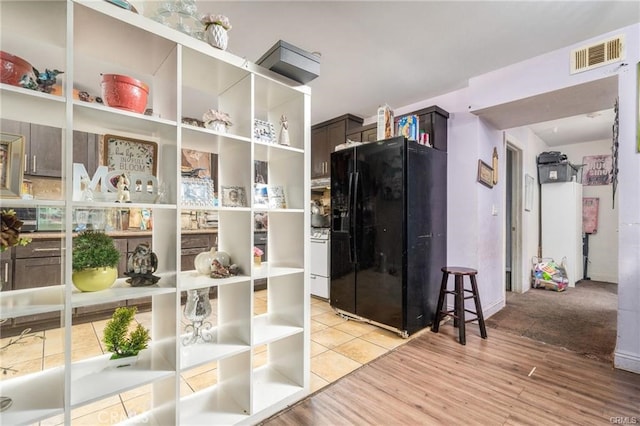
(46, 79)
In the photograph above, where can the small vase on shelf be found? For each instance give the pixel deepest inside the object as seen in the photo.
(216, 27)
(197, 310)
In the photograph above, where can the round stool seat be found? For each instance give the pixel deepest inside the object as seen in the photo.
(459, 270)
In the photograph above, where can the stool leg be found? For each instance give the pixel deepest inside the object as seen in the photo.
(460, 309)
(441, 299)
(476, 298)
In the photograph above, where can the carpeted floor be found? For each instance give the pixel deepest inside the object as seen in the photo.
(582, 319)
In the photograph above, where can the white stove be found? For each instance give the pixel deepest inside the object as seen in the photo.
(320, 262)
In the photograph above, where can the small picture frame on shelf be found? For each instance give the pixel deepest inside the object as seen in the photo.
(485, 174)
(195, 164)
(260, 195)
(234, 196)
(129, 155)
(264, 131)
(277, 199)
(11, 165)
(196, 192)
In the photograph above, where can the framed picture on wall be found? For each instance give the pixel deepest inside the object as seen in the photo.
(528, 192)
(485, 174)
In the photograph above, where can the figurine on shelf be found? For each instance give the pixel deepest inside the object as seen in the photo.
(87, 192)
(124, 196)
(218, 270)
(284, 131)
(141, 265)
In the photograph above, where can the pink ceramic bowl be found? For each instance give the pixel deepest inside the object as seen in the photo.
(120, 91)
(13, 68)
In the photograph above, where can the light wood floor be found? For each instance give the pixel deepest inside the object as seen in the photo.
(432, 379)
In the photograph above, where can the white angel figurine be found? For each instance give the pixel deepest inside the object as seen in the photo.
(284, 131)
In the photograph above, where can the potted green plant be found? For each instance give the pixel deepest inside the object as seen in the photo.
(123, 341)
(94, 261)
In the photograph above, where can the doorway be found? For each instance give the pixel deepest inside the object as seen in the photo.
(513, 219)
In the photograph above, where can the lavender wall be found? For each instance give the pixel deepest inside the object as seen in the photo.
(476, 236)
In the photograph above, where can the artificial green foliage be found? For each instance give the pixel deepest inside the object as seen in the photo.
(117, 337)
(93, 249)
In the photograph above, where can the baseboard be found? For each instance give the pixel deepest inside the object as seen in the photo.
(492, 309)
(604, 278)
(627, 361)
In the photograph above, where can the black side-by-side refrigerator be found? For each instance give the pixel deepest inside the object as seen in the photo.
(388, 232)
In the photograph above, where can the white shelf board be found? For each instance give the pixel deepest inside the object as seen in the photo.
(234, 209)
(91, 380)
(121, 290)
(190, 280)
(272, 151)
(279, 271)
(266, 329)
(19, 202)
(31, 301)
(111, 120)
(198, 354)
(22, 104)
(210, 407)
(36, 397)
(272, 388)
(113, 205)
(200, 135)
(266, 270)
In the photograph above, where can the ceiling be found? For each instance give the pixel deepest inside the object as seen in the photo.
(400, 53)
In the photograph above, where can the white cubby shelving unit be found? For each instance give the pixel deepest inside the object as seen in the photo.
(186, 76)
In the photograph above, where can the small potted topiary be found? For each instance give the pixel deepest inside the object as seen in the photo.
(94, 261)
(123, 341)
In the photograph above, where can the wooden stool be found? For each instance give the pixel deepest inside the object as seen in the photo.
(458, 312)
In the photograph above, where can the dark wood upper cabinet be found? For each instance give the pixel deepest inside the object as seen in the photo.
(44, 151)
(325, 137)
(85, 150)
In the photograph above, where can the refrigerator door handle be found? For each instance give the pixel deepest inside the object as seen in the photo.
(350, 223)
(354, 218)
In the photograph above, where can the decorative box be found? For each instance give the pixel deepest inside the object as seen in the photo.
(291, 61)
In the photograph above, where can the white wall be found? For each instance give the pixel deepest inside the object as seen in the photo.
(476, 237)
(530, 144)
(603, 245)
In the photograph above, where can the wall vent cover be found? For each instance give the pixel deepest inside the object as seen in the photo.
(596, 55)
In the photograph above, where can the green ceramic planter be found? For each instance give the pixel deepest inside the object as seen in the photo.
(94, 279)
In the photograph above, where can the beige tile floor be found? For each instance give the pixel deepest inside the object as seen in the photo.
(338, 347)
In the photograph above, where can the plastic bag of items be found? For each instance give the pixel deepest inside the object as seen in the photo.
(548, 275)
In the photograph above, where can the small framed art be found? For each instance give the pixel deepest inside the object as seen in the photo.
(197, 192)
(260, 195)
(234, 196)
(485, 174)
(11, 165)
(264, 131)
(130, 155)
(277, 198)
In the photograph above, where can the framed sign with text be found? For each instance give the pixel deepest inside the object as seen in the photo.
(130, 155)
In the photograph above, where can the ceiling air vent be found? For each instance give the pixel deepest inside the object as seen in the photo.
(597, 55)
